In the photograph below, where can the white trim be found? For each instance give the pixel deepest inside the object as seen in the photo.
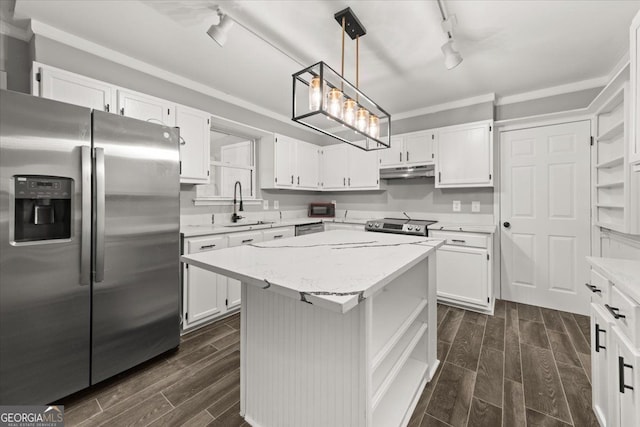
(543, 120)
(618, 67)
(489, 97)
(629, 239)
(552, 91)
(11, 30)
(90, 47)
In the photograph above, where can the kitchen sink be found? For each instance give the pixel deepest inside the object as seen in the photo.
(245, 224)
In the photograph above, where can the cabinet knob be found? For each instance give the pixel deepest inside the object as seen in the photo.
(506, 224)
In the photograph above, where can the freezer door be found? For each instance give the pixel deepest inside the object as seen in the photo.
(136, 288)
(44, 298)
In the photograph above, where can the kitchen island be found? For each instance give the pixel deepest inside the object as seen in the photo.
(337, 328)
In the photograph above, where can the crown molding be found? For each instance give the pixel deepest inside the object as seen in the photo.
(14, 31)
(555, 90)
(63, 37)
(489, 97)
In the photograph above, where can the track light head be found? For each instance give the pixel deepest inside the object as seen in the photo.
(219, 32)
(452, 57)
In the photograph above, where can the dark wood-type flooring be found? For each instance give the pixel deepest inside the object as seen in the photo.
(525, 366)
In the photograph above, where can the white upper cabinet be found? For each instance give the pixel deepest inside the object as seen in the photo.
(345, 168)
(145, 107)
(54, 83)
(285, 156)
(414, 148)
(464, 156)
(287, 162)
(308, 166)
(194, 144)
(363, 169)
(335, 167)
(634, 140)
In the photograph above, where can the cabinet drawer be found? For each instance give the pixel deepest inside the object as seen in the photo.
(203, 244)
(600, 289)
(279, 233)
(461, 238)
(237, 239)
(626, 312)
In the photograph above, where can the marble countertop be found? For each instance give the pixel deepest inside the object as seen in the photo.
(334, 270)
(469, 228)
(624, 273)
(208, 229)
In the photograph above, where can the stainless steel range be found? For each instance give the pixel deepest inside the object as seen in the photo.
(414, 227)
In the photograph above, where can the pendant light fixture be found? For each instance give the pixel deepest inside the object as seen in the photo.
(325, 101)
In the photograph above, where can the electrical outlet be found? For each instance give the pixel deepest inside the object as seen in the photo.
(265, 205)
(475, 206)
(456, 205)
(276, 204)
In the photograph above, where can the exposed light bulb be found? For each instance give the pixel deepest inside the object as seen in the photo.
(349, 111)
(334, 102)
(374, 126)
(315, 94)
(362, 119)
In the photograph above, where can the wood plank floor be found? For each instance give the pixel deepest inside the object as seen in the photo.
(525, 366)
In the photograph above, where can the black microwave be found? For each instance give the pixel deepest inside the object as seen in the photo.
(324, 210)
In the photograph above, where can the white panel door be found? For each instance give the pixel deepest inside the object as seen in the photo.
(335, 165)
(194, 144)
(233, 298)
(419, 148)
(601, 362)
(363, 168)
(145, 107)
(307, 166)
(75, 89)
(285, 157)
(545, 216)
(393, 155)
(463, 274)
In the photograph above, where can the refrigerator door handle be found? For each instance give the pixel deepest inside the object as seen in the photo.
(99, 214)
(85, 238)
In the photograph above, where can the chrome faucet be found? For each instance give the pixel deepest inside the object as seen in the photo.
(235, 217)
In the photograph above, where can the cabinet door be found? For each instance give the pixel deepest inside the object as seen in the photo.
(626, 392)
(233, 285)
(363, 171)
(145, 107)
(307, 166)
(419, 148)
(278, 233)
(203, 294)
(285, 157)
(634, 53)
(463, 275)
(393, 155)
(194, 145)
(601, 363)
(335, 167)
(464, 156)
(75, 89)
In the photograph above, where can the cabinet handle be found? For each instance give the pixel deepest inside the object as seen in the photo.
(278, 236)
(621, 366)
(207, 246)
(614, 312)
(106, 108)
(439, 177)
(344, 182)
(458, 241)
(298, 180)
(407, 156)
(598, 346)
(349, 180)
(593, 288)
(122, 111)
(400, 156)
(247, 240)
(292, 179)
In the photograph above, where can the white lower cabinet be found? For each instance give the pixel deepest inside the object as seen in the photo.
(278, 233)
(626, 395)
(203, 293)
(601, 358)
(233, 285)
(464, 269)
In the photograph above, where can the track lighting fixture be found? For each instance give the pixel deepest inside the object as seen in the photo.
(219, 32)
(452, 57)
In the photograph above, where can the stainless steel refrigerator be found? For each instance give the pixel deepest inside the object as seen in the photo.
(89, 246)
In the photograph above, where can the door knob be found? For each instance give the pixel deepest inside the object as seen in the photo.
(506, 224)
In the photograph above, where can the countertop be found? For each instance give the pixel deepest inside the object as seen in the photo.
(207, 229)
(469, 228)
(334, 270)
(624, 273)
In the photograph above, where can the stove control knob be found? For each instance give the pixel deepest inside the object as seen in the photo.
(410, 228)
(377, 225)
(369, 225)
(418, 228)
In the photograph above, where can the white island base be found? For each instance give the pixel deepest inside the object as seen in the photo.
(304, 365)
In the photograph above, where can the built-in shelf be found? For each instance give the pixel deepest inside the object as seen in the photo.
(392, 410)
(388, 370)
(616, 161)
(390, 321)
(609, 206)
(614, 131)
(611, 184)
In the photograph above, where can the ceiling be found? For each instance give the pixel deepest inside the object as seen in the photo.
(509, 47)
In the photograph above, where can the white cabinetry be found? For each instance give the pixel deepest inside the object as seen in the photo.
(54, 83)
(634, 140)
(615, 354)
(233, 285)
(278, 233)
(307, 163)
(145, 107)
(288, 163)
(464, 156)
(330, 226)
(194, 144)
(414, 148)
(204, 292)
(464, 269)
(345, 167)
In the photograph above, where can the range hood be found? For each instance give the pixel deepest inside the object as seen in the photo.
(406, 172)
